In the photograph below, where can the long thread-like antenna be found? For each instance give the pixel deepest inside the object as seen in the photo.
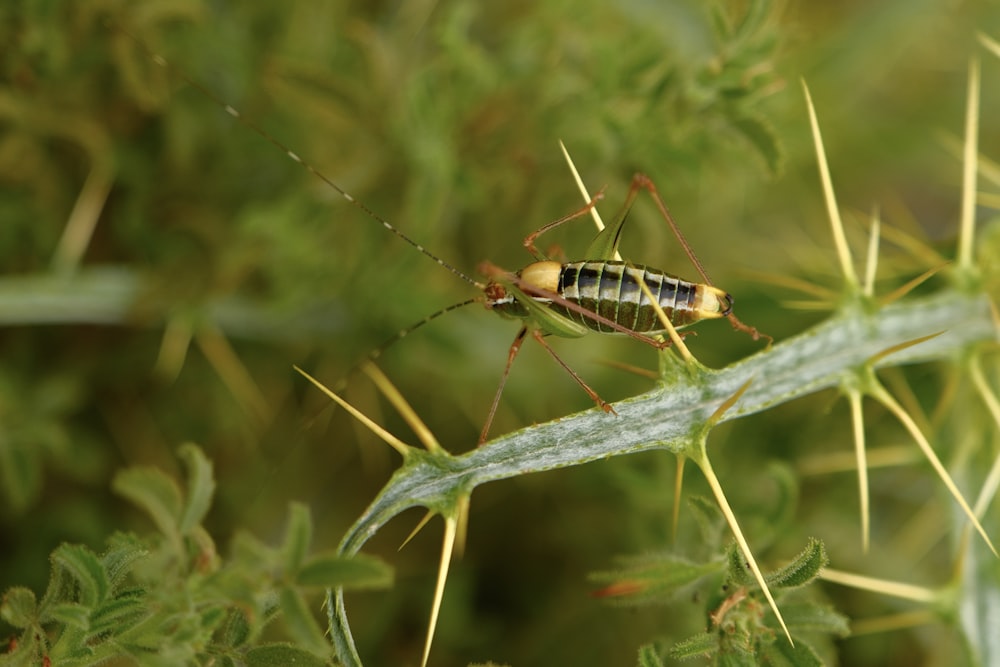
(264, 134)
(398, 336)
(403, 333)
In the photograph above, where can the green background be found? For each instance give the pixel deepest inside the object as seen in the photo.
(444, 118)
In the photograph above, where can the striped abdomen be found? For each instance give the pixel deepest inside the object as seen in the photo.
(611, 289)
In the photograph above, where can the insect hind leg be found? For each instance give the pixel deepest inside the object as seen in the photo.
(529, 240)
(641, 181)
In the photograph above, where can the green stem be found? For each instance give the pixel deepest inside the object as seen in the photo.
(668, 417)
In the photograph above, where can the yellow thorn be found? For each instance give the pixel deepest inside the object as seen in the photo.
(727, 511)
(223, 358)
(450, 530)
(967, 220)
(883, 586)
(989, 490)
(836, 224)
(903, 290)
(678, 484)
(913, 244)
(792, 282)
(872, 261)
(893, 349)
(987, 199)
(79, 229)
(990, 44)
(409, 415)
(796, 304)
(857, 421)
(880, 625)
(462, 519)
(629, 368)
(174, 346)
(583, 191)
(728, 403)
(882, 396)
(416, 529)
(389, 438)
(987, 168)
(828, 463)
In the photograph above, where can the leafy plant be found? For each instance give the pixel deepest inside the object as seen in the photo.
(170, 599)
(866, 333)
(163, 268)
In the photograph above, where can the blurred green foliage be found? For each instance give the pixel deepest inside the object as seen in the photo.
(215, 263)
(169, 599)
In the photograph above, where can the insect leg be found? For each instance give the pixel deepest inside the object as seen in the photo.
(529, 240)
(601, 403)
(640, 180)
(515, 347)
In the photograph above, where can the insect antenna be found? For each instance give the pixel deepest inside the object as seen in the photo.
(264, 134)
(403, 333)
(374, 354)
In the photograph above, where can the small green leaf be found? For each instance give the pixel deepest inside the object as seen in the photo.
(61, 588)
(701, 644)
(88, 571)
(214, 617)
(738, 571)
(301, 623)
(252, 553)
(782, 653)
(155, 493)
(650, 578)
(356, 572)
(237, 630)
(298, 537)
(282, 655)
(810, 616)
(71, 614)
(721, 23)
(123, 551)
(20, 607)
(116, 616)
(736, 657)
(753, 21)
(649, 656)
(803, 570)
(200, 487)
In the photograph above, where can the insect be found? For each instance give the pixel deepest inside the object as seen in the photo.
(601, 294)
(596, 294)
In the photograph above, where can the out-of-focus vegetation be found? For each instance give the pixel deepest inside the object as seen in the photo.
(163, 267)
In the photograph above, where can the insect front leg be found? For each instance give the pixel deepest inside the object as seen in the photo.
(515, 347)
